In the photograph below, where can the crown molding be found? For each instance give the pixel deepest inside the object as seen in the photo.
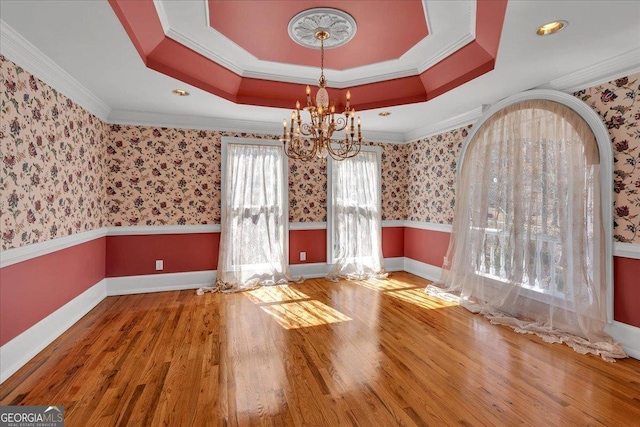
(143, 118)
(19, 50)
(602, 72)
(455, 122)
(446, 52)
(202, 50)
(162, 15)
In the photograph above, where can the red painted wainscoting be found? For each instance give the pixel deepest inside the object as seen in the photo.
(33, 289)
(426, 246)
(313, 242)
(136, 255)
(393, 242)
(626, 290)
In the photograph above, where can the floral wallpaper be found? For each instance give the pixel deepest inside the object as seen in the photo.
(167, 176)
(162, 176)
(618, 103)
(307, 191)
(52, 177)
(432, 175)
(394, 181)
(65, 171)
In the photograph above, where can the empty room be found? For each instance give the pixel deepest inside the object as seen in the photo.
(300, 212)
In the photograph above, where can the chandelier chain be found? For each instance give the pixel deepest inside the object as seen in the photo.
(322, 78)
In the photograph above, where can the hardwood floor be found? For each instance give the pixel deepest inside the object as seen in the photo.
(378, 353)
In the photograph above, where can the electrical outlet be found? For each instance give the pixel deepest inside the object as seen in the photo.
(159, 265)
(303, 256)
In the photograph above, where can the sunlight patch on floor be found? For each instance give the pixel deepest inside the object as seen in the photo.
(418, 297)
(270, 294)
(384, 284)
(302, 314)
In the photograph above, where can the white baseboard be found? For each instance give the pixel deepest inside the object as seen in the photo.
(159, 282)
(394, 264)
(17, 352)
(321, 269)
(627, 335)
(424, 270)
(310, 271)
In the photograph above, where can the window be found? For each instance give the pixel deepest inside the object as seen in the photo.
(354, 231)
(531, 238)
(254, 229)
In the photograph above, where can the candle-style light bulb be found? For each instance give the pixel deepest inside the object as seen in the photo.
(297, 105)
(308, 90)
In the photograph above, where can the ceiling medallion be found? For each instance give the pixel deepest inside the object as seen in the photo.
(339, 25)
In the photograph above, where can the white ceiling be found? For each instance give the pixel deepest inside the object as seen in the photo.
(85, 39)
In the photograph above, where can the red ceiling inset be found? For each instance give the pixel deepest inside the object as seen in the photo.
(160, 53)
(386, 30)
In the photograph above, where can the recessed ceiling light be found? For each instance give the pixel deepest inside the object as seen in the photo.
(180, 92)
(551, 28)
(384, 113)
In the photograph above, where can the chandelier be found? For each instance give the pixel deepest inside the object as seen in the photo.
(304, 141)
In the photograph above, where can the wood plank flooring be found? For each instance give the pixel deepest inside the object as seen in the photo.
(377, 353)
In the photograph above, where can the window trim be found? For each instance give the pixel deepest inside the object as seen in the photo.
(226, 140)
(605, 150)
(331, 259)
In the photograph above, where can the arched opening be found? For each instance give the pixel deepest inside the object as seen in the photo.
(532, 235)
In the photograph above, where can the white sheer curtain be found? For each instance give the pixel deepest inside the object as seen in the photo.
(252, 239)
(356, 221)
(527, 243)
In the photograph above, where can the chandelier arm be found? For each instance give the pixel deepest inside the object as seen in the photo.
(345, 148)
(298, 154)
(307, 130)
(340, 123)
(347, 153)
